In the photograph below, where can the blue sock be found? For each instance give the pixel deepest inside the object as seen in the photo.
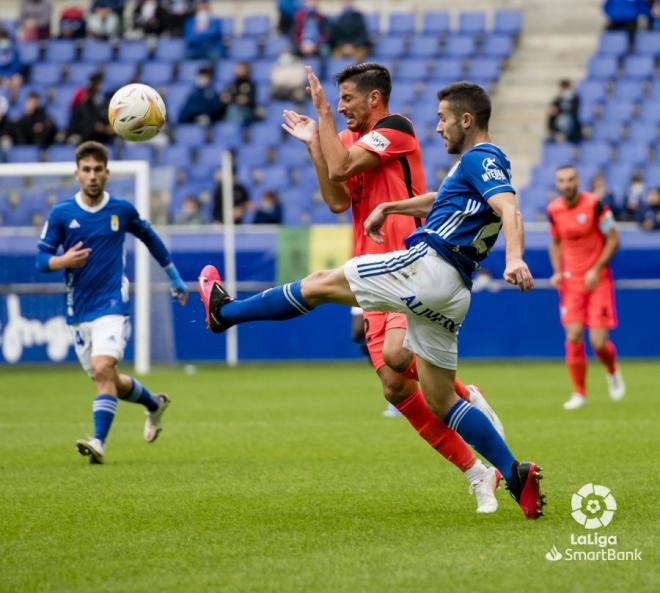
(479, 433)
(139, 394)
(281, 302)
(105, 408)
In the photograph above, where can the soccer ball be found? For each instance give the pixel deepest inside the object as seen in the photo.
(136, 112)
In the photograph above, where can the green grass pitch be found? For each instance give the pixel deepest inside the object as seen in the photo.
(287, 479)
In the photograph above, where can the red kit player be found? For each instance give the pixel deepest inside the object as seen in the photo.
(584, 240)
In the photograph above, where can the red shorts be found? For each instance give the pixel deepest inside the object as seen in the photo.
(595, 309)
(376, 323)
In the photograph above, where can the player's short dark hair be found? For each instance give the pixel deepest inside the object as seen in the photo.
(565, 166)
(92, 149)
(368, 76)
(468, 97)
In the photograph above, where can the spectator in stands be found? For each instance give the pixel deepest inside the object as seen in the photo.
(623, 15)
(270, 209)
(599, 187)
(241, 201)
(177, 13)
(11, 69)
(191, 211)
(7, 130)
(655, 16)
(35, 20)
(35, 126)
(72, 23)
(563, 122)
(89, 115)
(312, 34)
(93, 87)
(203, 104)
(203, 34)
(103, 22)
(149, 16)
(240, 97)
(287, 10)
(634, 197)
(350, 38)
(117, 6)
(287, 78)
(649, 214)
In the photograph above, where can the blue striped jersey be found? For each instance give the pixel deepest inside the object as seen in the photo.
(461, 226)
(100, 287)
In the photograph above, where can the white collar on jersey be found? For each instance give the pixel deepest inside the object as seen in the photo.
(92, 209)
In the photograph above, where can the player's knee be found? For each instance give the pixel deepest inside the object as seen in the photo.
(397, 358)
(574, 336)
(103, 372)
(396, 388)
(314, 286)
(597, 342)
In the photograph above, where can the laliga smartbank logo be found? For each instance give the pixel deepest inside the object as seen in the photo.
(592, 506)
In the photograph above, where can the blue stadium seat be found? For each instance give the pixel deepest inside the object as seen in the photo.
(208, 159)
(265, 134)
(543, 175)
(497, 46)
(23, 154)
(46, 74)
(595, 153)
(618, 176)
(654, 91)
(588, 112)
(170, 49)
(275, 45)
(274, 178)
(256, 26)
(60, 114)
(188, 70)
(448, 69)
(609, 131)
(647, 43)
(372, 21)
(133, 51)
(292, 154)
(224, 73)
(174, 155)
(652, 176)
(139, 152)
(460, 46)
(638, 67)
(261, 70)
(508, 22)
(321, 214)
(228, 25)
(79, 73)
(613, 43)
(61, 153)
(412, 70)
(157, 74)
(633, 152)
(227, 134)
(484, 70)
(602, 67)
(97, 52)
(175, 96)
(649, 112)
(436, 22)
(557, 154)
(614, 111)
(62, 51)
(592, 90)
(641, 131)
(336, 65)
(296, 204)
(252, 155)
(119, 74)
(243, 49)
(627, 90)
(190, 135)
(472, 22)
(405, 93)
(424, 46)
(389, 47)
(28, 53)
(401, 23)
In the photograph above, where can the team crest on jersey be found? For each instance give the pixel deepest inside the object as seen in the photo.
(492, 170)
(114, 222)
(582, 218)
(376, 141)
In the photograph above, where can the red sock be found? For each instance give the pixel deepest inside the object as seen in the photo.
(607, 355)
(576, 361)
(411, 371)
(461, 390)
(444, 440)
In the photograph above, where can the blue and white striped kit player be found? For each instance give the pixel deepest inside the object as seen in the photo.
(91, 232)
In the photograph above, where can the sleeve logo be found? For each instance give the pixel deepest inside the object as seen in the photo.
(114, 222)
(376, 141)
(492, 170)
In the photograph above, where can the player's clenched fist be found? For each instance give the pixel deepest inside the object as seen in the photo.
(76, 256)
(518, 274)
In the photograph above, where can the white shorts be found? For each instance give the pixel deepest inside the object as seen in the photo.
(104, 336)
(419, 283)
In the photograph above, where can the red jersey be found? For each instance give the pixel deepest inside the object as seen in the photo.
(400, 175)
(581, 230)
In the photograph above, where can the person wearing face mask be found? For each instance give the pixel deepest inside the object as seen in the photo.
(563, 122)
(11, 69)
(203, 103)
(287, 78)
(203, 34)
(350, 38)
(240, 96)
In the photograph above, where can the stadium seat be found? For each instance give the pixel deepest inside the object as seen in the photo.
(336, 65)
(643, 132)
(139, 152)
(412, 70)
(61, 153)
(508, 22)
(633, 152)
(170, 49)
(252, 155)
(623, 110)
(649, 112)
(613, 43)
(261, 70)
(226, 135)
(190, 135)
(618, 177)
(484, 69)
(627, 90)
(274, 178)
(401, 23)
(602, 67)
(497, 46)
(228, 25)
(296, 204)
(60, 115)
(275, 45)
(436, 22)
(448, 69)
(188, 70)
(321, 214)
(638, 67)
(97, 52)
(119, 74)
(595, 153)
(243, 49)
(208, 159)
(390, 47)
(175, 96)
(175, 155)
(133, 51)
(647, 43)
(157, 73)
(23, 154)
(460, 46)
(592, 90)
(256, 26)
(29, 53)
(424, 46)
(652, 176)
(46, 74)
(472, 22)
(224, 73)
(558, 153)
(80, 73)
(62, 51)
(609, 131)
(292, 154)
(406, 93)
(372, 21)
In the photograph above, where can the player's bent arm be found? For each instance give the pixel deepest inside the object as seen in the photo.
(516, 271)
(418, 206)
(335, 195)
(74, 257)
(554, 251)
(611, 246)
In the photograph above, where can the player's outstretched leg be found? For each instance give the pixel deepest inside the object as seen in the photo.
(522, 478)
(131, 390)
(605, 350)
(104, 410)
